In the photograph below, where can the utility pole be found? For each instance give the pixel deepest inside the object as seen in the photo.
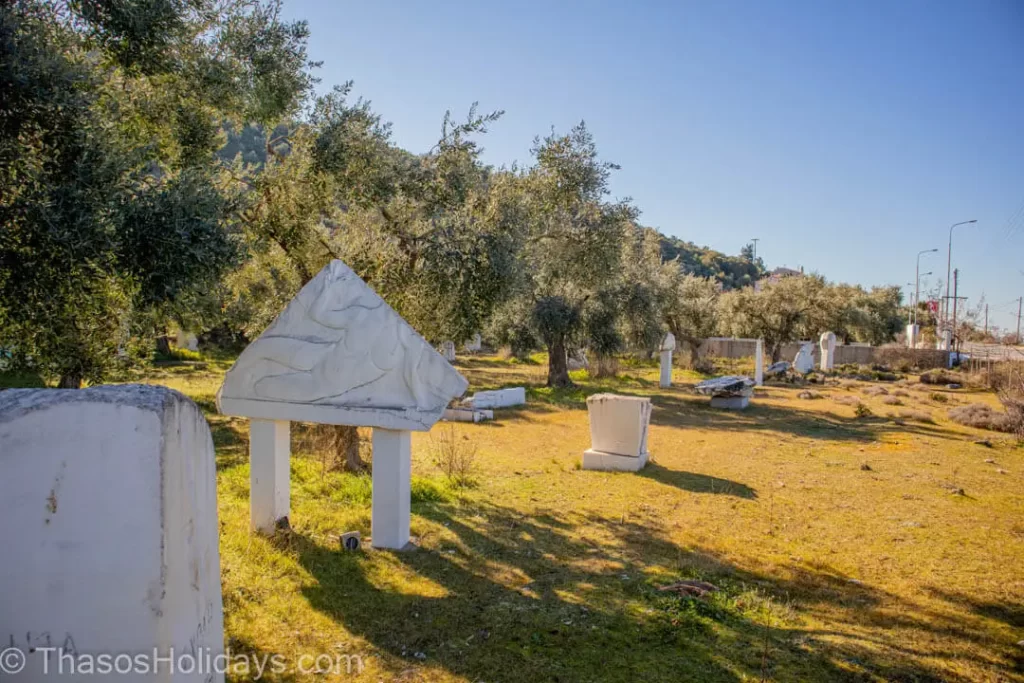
(1020, 300)
(986, 321)
(956, 281)
(754, 241)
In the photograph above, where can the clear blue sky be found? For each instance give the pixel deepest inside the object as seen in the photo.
(847, 136)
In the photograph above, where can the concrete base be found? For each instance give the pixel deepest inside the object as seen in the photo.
(269, 473)
(665, 380)
(392, 497)
(467, 415)
(730, 402)
(598, 460)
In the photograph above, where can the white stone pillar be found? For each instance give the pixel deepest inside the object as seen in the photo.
(392, 478)
(666, 369)
(759, 362)
(912, 336)
(269, 473)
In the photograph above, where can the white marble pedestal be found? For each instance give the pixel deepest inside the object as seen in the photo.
(269, 473)
(392, 480)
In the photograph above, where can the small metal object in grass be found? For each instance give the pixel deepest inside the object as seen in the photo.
(350, 540)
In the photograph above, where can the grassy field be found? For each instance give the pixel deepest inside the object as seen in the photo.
(845, 548)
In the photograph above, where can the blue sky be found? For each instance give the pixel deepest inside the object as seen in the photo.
(847, 136)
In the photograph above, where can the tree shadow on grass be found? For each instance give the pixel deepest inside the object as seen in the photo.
(571, 597)
(697, 483)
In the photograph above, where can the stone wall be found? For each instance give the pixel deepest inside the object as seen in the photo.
(858, 354)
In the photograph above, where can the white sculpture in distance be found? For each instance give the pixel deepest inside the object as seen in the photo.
(804, 360)
(338, 354)
(759, 362)
(828, 351)
(668, 345)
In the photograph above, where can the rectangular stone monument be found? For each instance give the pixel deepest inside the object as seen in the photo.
(338, 354)
(668, 345)
(759, 363)
(109, 528)
(618, 432)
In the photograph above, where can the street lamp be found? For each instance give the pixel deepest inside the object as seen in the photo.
(917, 283)
(949, 262)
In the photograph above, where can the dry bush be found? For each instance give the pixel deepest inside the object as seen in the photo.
(861, 410)
(454, 455)
(901, 393)
(809, 395)
(902, 359)
(917, 416)
(848, 400)
(980, 416)
(940, 377)
(938, 398)
(876, 391)
(892, 401)
(604, 366)
(1010, 388)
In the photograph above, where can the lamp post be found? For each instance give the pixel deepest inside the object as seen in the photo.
(949, 262)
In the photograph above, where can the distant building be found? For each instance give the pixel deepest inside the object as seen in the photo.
(776, 275)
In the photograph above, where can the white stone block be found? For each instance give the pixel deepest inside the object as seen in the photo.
(669, 342)
(269, 473)
(759, 362)
(448, 351)
(804, 360)
(109, 527)
(828, 351)
(730, 402)
(467, 415)
(665, 379)
(338, 354)
(618, 425)
(497, 398)
(392, 496)
(596, 460)
(475, 344)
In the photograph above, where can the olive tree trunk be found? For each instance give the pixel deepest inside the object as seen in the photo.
(558, 364)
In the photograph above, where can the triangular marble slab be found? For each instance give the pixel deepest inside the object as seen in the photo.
(338, 354)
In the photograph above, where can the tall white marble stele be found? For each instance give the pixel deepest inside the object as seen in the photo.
(668, 345)
(338, 354)
(828, 351)
(759, 363)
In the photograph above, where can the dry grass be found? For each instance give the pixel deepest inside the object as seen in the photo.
(981, 416)
(917, 416)
(826, 571)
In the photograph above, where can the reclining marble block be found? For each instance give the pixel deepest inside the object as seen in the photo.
(618, 432)
(731, 392)
(497, 398)
(109, 527)
(338, 354)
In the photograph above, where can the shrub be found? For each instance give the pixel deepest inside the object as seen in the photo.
(848, 400)
(809, 395)
(1010, 387)
(938, 398)
(862, 411)
(939, 377)
(917, 416)
(876, 391)
(892, 401)
(901, 393)
(980, 416)
(455, 456)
